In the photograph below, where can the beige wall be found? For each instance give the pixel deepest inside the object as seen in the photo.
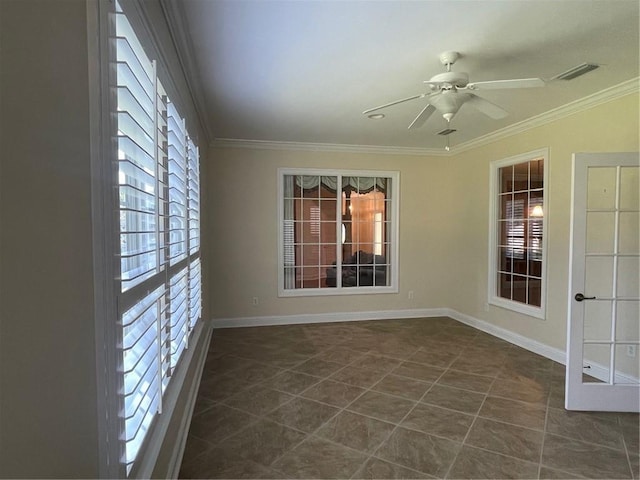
(242, 186)
(48, 416)
(443, 223)
(610, 127)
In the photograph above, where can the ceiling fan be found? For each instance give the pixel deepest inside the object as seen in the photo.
(450, 90)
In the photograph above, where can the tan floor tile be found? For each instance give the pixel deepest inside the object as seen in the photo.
(382, 406)
(303, 414)
(529, 415)
(361, 433)
(409, 388)
(586, 459)
(317, 458)
(506, 439)
(419, 451)
(480, 464)
(439, 421)
(448, 397)
(334, 393)
(379, 469)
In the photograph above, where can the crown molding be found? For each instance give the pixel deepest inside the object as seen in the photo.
(598, 98)
(177, 25)
(585, 103)
(325, 147)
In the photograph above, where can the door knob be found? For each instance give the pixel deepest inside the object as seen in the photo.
(580, 297)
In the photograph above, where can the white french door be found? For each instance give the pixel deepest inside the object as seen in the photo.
(603, 338)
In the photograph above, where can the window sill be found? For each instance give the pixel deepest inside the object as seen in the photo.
(536, 312)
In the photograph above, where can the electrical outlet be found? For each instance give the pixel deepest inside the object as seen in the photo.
(410, 295)
(631, 351)
(255, 301)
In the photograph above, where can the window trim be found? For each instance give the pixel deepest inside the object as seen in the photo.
(395, 229)
(493, 297)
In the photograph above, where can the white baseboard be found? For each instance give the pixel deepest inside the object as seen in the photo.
(328, 317)
(527, 343)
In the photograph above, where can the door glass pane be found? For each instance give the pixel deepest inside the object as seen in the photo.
(598, 276)
(629, 188)
(628, 274)
(601, 188)
(628, 320)
(597, 357)
(600, 232)
(627, 364)
(629, 233)
(597, 320)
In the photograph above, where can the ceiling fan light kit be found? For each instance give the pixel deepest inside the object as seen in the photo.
(449, 90)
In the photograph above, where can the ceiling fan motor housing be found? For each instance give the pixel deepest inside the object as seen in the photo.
(448, 80)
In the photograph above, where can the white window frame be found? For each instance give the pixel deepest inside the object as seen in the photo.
(494, 205)
(394, 214)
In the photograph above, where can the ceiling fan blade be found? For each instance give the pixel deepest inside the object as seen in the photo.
(393, 103)
(514, 83)
(422, 116)
(485, 106)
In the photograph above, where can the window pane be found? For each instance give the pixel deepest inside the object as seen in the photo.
(506, 179)
(506, 210)
(536, 172)
(534, 286)
(504, 285)
(504, 259)
(519, 288)
(521, 177)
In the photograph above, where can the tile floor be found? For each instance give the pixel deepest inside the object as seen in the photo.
(419, 398)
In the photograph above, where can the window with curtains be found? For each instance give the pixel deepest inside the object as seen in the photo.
(517, 273)
(159, 282)
(338, 232)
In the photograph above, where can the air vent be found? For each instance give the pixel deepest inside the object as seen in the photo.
(447, 131)
(576, 71)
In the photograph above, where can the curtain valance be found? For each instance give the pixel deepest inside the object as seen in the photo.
(349, 184)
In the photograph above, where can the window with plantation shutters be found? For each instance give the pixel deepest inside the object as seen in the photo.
(159, 282)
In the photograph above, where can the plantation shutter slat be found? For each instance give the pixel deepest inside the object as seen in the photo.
(195, 293)
(179, 315)
(193, 196)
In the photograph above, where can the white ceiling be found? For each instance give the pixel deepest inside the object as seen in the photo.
(303, 71)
